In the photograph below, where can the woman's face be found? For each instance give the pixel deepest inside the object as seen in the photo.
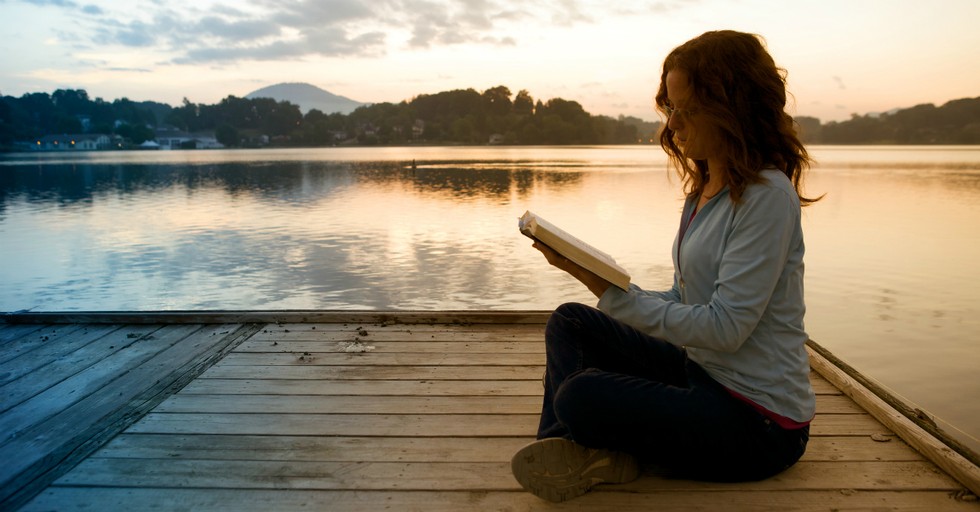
(698, 137)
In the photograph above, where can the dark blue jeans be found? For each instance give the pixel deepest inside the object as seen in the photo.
(608, 385)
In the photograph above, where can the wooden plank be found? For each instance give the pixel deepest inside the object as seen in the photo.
(820, 385)
(25, 358)
(863, 475)
(9, 333)
(252, 474)
(314, 448)
(368, 387)
(832, 448)
(364, 388)
(332, 404)
(836, 404)
(402, 336)
(45, 436)
(386, 425)
(277, 330)
(104, 357)
(952, 462)
(846, 425)
(394, 323)
(390, 359)
(485, 476)
(339, 372)
(85, 384)
(46, 450)
(603, 499)
(278, 317)
(323, 404)
(36, 336)
(462, 425)
(409, 449)
(292, 331)
(342, 344)
(314, 371)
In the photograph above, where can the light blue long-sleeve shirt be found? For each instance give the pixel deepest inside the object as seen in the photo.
(737, 300)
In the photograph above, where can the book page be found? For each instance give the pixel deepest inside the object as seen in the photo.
(561, 233)
(574, 249)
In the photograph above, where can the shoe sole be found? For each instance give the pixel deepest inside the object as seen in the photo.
(558, 469)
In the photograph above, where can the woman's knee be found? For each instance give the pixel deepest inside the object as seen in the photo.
(576, 401)
(569, 313)
(565, 324)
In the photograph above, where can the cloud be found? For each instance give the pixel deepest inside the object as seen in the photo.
(311, 13)
(129, 70)
(136, 34)
(326, 42)
(570, 12)
(231, 31)
(446, 23)
(224, 34)
(580, 10)
(247, 29)
(56, 3)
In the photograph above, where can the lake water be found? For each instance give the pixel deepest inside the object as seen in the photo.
(892, 270)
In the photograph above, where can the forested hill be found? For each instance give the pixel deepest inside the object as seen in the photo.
(451, 117)
(956, 122)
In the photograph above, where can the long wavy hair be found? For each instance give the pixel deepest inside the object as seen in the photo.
(736, 83)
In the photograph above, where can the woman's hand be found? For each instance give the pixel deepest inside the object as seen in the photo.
(554, 259)
(594, 283)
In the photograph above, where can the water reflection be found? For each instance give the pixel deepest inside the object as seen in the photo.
(300, 182)
(375, 234)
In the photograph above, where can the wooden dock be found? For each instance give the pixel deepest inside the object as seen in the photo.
(369, 411)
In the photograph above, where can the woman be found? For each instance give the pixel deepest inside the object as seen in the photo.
(709, 379)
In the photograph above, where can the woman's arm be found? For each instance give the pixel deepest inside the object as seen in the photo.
(594, 283)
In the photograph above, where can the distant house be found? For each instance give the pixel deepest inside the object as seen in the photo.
(175, 139)
(338, 135)
(368, 129)
(495, 139)
(73, 142)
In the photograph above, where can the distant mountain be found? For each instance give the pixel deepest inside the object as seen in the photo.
(307, 97)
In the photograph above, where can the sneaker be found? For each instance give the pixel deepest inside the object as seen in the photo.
(557, 469)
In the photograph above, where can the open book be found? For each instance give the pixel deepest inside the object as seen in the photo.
(574, 249)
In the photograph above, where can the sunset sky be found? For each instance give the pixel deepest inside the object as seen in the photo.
(843, 56)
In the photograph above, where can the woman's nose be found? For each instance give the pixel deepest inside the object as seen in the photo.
(674, 122)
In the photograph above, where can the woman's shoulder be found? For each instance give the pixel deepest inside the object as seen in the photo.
(773, 184)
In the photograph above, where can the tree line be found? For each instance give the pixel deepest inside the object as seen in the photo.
(451, 117)
(955, 122)
(70, 111)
